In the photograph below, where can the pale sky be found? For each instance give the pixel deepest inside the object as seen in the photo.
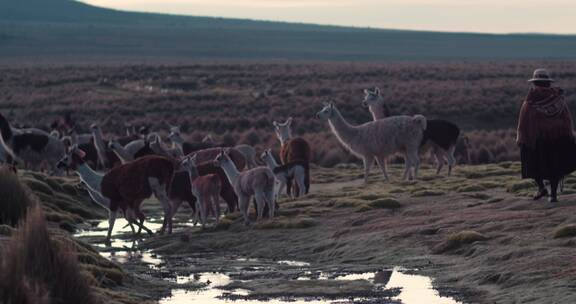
(490, 16)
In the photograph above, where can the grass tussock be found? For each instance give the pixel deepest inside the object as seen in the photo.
(515, 187)
(287, 223)
(427, 192)
(36, 269)
(457, 240)
(565, 231)
(385, 203)
(15, 198)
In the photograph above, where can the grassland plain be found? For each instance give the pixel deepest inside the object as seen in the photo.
(477, 233)
(238, 102)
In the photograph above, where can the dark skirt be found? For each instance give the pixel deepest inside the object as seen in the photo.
(548, 159)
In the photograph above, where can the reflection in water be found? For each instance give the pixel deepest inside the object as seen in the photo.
(417, 289)
(294, 263)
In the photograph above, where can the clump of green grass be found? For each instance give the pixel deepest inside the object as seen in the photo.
(287, 223)
(515, 187)
(15, 198)
(35, 269)
(471, 188)
(478, 195)
(565, 231)
(459, 239)
(427, 192)
(385, 203)
(38, 186)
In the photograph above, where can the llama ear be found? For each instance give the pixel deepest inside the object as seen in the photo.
(331, 104)
(377, 91)
(275, 123)
(289, 121)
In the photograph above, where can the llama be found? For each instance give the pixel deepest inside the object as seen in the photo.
(186, 147)
(126, 187)
(293, 150)
(249, 154)
(257, 182)
(440, 136)
(34, 148)
(206, 190)
(226, 192)
(379, 139)
(286, 173)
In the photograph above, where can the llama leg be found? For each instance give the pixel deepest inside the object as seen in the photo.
(382, 164)
(259, 196)
(301, 181)
(243, 204)
(451, 159)
(202, 206)
(160, 193)
(407, 166)
(270, 199)
(439, 156)
(281, 186)
(215, 207)
(415, 163)
(140, 224)
(368, 160)
(111, 220)
(197, 213)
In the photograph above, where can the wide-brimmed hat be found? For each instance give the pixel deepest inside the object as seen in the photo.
(541, 75)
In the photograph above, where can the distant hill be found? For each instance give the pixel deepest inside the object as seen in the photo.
(68, 31)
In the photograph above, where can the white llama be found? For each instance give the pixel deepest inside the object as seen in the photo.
(257, 182)
(379, 139)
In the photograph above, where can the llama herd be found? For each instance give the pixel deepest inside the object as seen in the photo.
(120, 173)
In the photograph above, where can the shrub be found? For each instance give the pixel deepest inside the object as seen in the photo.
(15, 198)
(35, 269)
(459, 239)
(565, 231)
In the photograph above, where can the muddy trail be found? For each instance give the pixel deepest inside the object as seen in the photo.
(474, 237)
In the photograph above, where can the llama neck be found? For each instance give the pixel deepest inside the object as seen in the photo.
(270, 161)
(231, 172)
(91, 178)
(377, 111)
(343, 131)
(122, 154)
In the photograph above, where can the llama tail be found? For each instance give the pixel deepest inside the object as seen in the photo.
(420, 120)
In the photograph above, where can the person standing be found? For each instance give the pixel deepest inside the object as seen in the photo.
(547, 148)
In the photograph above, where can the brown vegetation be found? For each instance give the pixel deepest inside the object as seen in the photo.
(238, 102)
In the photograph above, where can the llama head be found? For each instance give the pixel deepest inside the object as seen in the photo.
(189, 164)
(175, 136)
(283, 130)
(327, 111)
(73, 159)
(265, 154)
(114, 145)
(372, 97)
(208, 139)
(222, 158)
(94, 127)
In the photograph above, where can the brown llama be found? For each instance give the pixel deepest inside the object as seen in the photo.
(206, 189)
(293, 150)
(125, 187)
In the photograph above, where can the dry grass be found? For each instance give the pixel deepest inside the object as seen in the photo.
(459, 239)
(15, 198)
(565, 231)
(36, 269)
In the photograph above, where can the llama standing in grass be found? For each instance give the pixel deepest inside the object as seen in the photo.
(35, 148)
(126, 187)
(258, 182)
(293, 150)
(440, 136)
(286, 173)
(379, 139)
(206, 189)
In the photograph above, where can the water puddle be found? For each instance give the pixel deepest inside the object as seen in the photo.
(237, 275)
